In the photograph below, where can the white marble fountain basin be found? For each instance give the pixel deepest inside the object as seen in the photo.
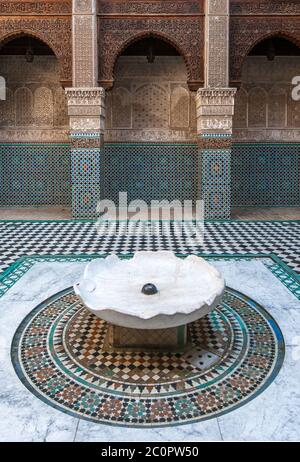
(187, 289)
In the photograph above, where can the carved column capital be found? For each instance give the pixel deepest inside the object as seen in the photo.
(86, 109)
(215, 110)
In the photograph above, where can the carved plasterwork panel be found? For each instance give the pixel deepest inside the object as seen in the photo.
(7, 109)
(24, 106)
(257, 112)
(293, 113)
(60, 108)
(185, 34)
(277, 107)
(180, 106)
(43, 107)
(241, 109)
(217, 52)
(151, 107)
(122, 108)
(84, 59)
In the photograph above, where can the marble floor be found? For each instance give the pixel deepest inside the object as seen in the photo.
(274, 415)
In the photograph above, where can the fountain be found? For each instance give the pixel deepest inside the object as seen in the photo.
(149, 300)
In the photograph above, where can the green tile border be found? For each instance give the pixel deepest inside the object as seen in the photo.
(71, 220)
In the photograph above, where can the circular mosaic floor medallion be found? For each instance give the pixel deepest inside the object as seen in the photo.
(61, 354)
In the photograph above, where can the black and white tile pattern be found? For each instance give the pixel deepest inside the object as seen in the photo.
(18, 239)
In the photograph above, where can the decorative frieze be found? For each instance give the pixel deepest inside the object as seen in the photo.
(266, 7)
(150, 7)
(85, 96)
(220, 142)
(28, 7)
(85, 142)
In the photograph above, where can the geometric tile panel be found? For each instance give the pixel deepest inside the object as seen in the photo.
(85, 182)
(35, 175)
(85, 166)
(150, 171)
(85, 198)
(266, 174)
(216, 183)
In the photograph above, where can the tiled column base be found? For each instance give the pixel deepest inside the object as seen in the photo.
(159, 339)
(85, 161)
(215, 168)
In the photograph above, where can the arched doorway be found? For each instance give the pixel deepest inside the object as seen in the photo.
(150, 149)
(265, 161)
(34, 149)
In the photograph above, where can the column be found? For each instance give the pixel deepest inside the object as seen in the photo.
(86, 109)
(215, 110)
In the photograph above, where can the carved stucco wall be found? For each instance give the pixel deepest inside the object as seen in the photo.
(264, 108)
(150, 102)
(35, 109)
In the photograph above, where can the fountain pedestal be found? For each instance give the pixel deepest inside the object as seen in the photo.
(120, 338)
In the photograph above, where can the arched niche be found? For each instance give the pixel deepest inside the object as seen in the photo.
(150, 99)
(32, 71)
(244, 43)
(266, 76)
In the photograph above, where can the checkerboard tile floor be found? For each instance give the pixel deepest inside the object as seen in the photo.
(18, 238)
